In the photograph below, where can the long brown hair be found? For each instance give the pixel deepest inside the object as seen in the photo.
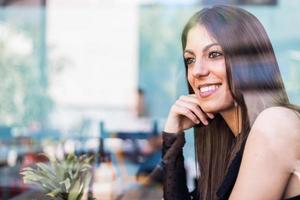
(255, 82)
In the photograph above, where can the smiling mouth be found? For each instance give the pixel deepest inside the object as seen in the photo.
(208, 89)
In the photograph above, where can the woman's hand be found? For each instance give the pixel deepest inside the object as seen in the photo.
(184, 114)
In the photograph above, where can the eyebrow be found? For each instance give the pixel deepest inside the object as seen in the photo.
(204, 49)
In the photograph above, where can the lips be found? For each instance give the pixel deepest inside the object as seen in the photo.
(206, 90)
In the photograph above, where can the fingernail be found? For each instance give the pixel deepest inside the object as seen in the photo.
(210, 115)
(205, 122)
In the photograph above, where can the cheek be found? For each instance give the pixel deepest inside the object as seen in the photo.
(223, 75)
(223, 71)
(228, 97)
(190, 79)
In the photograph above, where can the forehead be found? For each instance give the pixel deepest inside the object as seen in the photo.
(198, 37)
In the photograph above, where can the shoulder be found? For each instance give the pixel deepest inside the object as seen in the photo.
(279, 121)
(270, 154)
(279, 113)
(277, 128)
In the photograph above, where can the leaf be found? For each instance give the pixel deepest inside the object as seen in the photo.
(67, 184)
(86, 166)
(58, 170)
(45, 169)
(27, 169)
(87, 180)
(54, 193)
(76, 190)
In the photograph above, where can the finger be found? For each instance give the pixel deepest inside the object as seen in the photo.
(194, 99)
(195, 109)
(210, 115)
(190, 98)
(186, 112)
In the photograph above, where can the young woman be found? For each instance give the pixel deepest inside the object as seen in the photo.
(247, 135)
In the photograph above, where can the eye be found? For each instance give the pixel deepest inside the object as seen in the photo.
(214, 54)
(189, 61)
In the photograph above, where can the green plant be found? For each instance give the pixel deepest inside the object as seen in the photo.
(65, 179)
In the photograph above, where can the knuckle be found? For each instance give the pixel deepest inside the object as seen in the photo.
(195, 107)
(203, 118)
(174, 107)
(186, 111)
(182, 97)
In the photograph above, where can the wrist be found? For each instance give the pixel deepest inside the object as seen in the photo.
(171, 126)
(172, 130)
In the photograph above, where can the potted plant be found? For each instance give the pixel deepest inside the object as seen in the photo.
(66, 179)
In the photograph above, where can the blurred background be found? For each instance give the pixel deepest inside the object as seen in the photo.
(99, 76)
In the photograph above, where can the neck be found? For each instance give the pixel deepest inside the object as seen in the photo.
(233, 118)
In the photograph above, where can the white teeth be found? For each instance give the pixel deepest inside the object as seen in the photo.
(209, 88)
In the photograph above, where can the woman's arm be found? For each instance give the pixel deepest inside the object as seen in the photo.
(174, 172)
(271, 151)
(184, 114)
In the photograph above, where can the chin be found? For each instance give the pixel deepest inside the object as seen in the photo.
(216, 108)
(210, 109)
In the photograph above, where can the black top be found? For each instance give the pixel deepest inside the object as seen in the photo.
(175, 187)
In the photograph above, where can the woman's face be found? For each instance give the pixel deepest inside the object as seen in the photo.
(206, 71)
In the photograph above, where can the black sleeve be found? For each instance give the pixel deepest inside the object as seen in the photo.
(175, 187)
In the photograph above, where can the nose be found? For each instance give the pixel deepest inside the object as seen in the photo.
(200, 69)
